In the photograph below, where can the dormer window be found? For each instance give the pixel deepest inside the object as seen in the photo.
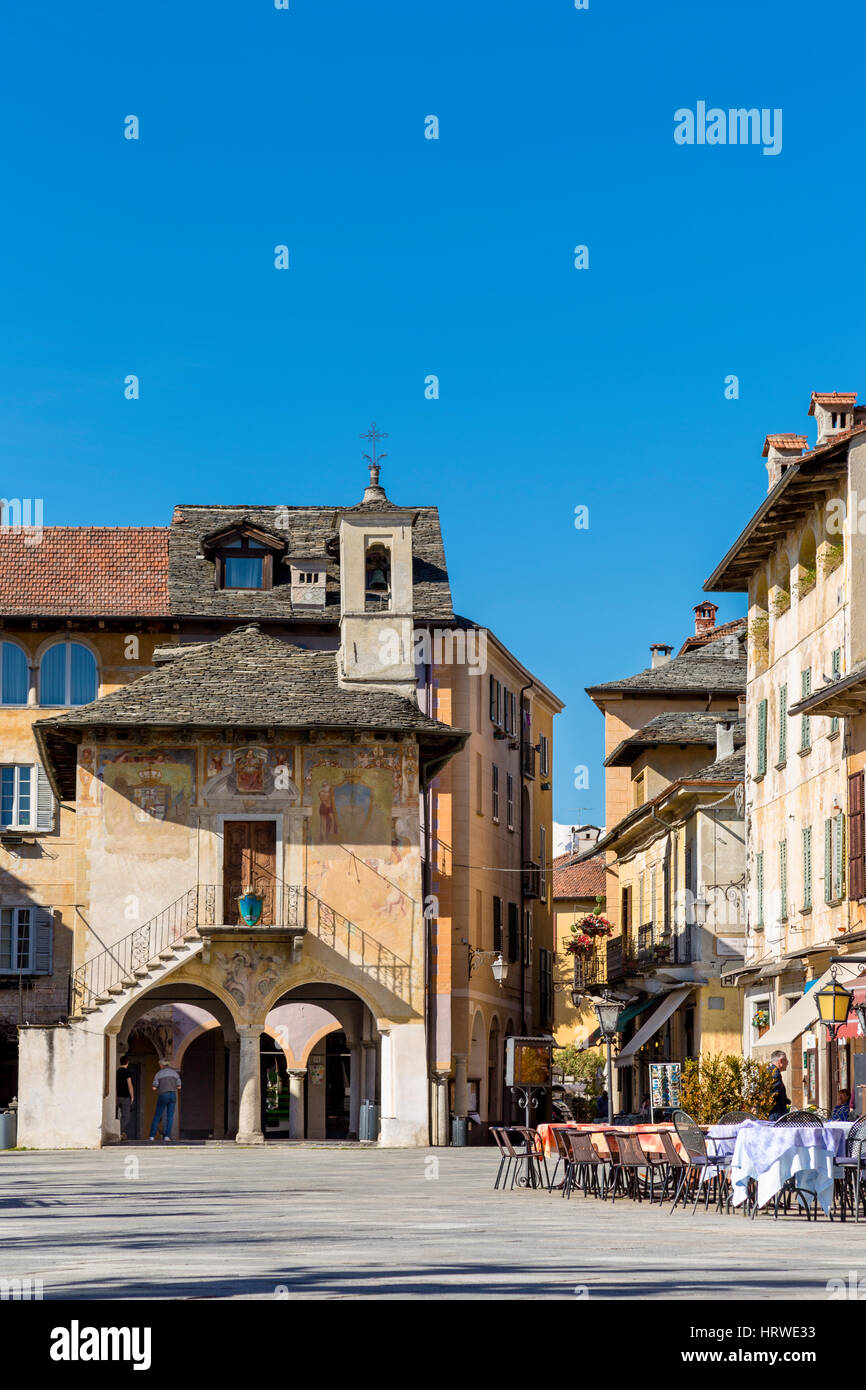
(377, 578)
(243, 555)
(243, 565)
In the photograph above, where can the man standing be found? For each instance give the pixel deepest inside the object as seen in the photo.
(779, 1061)
(166, 1083)
(125, 1094)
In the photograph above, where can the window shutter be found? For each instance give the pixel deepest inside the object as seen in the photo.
(783, 879)
(837, 669)
(493, 698)
(762, 739)
(839, 857)
(43, 949)
(783, 723)
(44, 800)
(513, 932)
(806, 722)
(807, 866)
(856, 838)
(759, 885)
(828, 860)
(497, 924)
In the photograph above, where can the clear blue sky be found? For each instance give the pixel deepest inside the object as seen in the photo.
(410, 256)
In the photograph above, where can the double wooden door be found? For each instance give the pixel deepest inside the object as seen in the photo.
(249, 861)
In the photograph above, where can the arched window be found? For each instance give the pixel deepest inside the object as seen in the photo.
(14, 678)
(67, 675)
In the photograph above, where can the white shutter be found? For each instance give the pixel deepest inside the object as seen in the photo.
(44, 800)
(43, 945)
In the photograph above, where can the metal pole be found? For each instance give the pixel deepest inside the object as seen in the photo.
(609, 1083)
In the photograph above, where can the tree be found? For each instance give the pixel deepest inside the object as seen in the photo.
(715, 1083)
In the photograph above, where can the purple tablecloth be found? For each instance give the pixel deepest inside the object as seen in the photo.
(771, 1155)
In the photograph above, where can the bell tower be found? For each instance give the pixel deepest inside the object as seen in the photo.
(376, 589)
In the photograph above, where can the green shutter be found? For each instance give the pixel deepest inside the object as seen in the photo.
(828, 860)
(762, 739)
(839, 856)
(759, 885)
(837, 668)
(806, 725)
(807, 866)
(43, 943)
(783, 723)
(783, 879)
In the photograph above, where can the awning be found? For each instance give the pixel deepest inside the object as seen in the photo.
(668, 1006)
(804, 1014)
(852, 1028)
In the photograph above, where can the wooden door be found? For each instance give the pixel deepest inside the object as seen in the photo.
(249, 861)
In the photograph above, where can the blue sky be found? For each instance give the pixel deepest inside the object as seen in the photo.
(408, 257)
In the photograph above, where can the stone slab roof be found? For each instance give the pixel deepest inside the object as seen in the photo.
(84, 571)
(710, 668)
(245, 680)
(307, 531)
(682, 727)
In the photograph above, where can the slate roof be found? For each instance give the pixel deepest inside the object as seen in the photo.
(708, 668)
(307, 531)
(84, 571)
(245, 680)
(579, 878)
(730, 769)
(685, 726)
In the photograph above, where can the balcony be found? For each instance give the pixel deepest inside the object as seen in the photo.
(531, 879)
(591, 972)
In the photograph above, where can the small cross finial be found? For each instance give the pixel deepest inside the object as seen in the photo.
(374, 460)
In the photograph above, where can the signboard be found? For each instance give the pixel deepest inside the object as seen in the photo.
(664, 1086)
(528, 1061)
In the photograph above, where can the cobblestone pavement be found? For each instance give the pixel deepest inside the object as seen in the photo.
(317, 1222)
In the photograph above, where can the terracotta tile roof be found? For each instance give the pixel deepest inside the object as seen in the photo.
(700, 639)
(831, 398)
(784, 441)
(84, 571)
(578, 878)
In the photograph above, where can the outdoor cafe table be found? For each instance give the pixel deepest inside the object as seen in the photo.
(770, 1155)
(649, 1136)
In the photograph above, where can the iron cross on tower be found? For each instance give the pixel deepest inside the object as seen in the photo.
(374, 460)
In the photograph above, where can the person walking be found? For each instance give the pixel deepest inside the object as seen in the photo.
(125, 1094)
(166, 1083)
(781, 1101)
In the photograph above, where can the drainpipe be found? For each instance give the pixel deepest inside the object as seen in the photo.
(426, 888)
(520, 935)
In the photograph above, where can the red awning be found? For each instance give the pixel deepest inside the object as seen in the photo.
(852, 1028)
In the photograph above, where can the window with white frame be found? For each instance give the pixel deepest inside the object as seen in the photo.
(509, 800)
(67, 675)
(26, 801)
(495, 792)
(26, 940)
(14, 675)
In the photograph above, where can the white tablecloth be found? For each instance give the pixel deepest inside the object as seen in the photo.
(771, 1156)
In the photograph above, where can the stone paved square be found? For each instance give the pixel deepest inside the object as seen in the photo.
(330, 1223)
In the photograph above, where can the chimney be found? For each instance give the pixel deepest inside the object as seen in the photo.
(833, 412)
(661, 654)
(705, 618)
(741, 706)
(780, 451)
(724, 741)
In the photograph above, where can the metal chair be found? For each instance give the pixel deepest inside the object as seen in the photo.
(852, 1166)
(803, 1119)
(703, 1168)
(628, 1158)
(506, 1153)
(562, 1154)
(736, 1117)
(808, 1118)
(585, 1165)
(534, 1158)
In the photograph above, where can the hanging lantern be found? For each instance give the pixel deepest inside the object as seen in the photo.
(500, 970)
(834, 1006)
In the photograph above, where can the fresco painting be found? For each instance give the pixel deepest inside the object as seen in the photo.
(147, 792)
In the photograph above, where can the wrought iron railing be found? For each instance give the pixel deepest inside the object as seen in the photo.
(286, 906)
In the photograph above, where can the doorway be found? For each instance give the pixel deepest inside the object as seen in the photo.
(249, 861)
(338, 1072)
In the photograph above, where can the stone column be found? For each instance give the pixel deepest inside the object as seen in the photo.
(441, 1080)
(296, 1103)
(233, 1062)
(250, 1085)
(355, 1055)
(461, 1090)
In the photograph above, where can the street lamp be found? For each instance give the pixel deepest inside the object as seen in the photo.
(834, 1006)
(499, 966)
(607, 1011)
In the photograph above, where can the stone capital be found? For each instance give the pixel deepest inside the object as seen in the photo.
(250, 1030)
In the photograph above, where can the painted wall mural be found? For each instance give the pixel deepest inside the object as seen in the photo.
(250, 773)
(146, 798)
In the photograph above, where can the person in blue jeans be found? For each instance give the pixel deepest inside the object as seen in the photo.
(166, 1083)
